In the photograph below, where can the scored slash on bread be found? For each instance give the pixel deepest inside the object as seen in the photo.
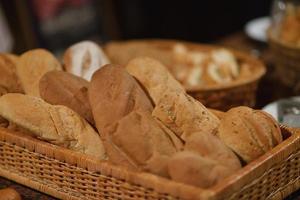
(84, 58)
(56, 124)
(32, 65)
(62, 88)
(177, 110)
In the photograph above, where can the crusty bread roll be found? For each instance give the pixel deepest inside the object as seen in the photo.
(55, 124)
(122, 113)
(32, 65)
(177, 110)
(191, 168)
(204, 162)
(9, 194)
(249, 133)
(84, 58)
(62, 88)
(9, 81)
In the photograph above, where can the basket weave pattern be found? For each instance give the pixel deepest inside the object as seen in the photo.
(68, 175)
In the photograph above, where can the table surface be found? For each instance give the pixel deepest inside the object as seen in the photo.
(267, 92)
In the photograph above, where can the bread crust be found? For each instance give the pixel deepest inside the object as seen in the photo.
(32, 65)
(62, 88)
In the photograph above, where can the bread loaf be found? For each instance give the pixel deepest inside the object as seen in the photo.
(122, 113)
(56, 124)
(84, 58)
(32, 65)
(9, 81)
(9, 194)
(249, 133)
(62, 88)
(177, 110)
(204, 162)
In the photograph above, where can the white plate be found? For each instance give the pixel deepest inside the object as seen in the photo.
(257, 28)
(272, 107)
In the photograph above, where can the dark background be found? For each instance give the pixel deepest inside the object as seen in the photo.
(200, 21)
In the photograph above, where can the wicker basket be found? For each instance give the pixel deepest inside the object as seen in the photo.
(69, 175)
(221, 97)
(287, 63)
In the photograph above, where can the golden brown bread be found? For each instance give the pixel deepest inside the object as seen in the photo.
(249, 133)
(62, 88)
(32, 65)
(55, 124)
(218, 113)
(84, 58)
(122, 113)
(177, 110)
(204, 162)
(191, 168)
(9, 194)
(9, 81)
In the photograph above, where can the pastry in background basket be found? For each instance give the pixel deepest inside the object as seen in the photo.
(289, 31)
(32, 65)
(122, 112)
(62, 88)
(177, 110)
(9, 81)
(249, 133)
(193, 67)
(84, 58)
(56, 124)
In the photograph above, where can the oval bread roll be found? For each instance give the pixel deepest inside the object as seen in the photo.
(249, 133)
(32, 65)
(62, 88)
(84, 58)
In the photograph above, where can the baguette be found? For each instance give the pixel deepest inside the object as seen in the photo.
(62, 88)
(122, 113)
(56, 124)
(32, 65)
(177, 110)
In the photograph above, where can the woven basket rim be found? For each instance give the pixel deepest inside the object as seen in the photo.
(247, 58)
(147, 180)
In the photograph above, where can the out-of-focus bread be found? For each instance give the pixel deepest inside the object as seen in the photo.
(84, 58)
(32, 65)
(55, 124)
(62, 88)
(122, 113)
(177, 110)
(249, 133)
(218, 113)
(9, 81)
(9, 194)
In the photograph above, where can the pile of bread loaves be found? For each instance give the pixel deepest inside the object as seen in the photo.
(137, 116)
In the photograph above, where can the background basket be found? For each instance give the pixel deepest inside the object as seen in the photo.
(287, 63)
(70, 175)
(220, 97)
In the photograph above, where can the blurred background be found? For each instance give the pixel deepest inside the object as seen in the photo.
(55, 24)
